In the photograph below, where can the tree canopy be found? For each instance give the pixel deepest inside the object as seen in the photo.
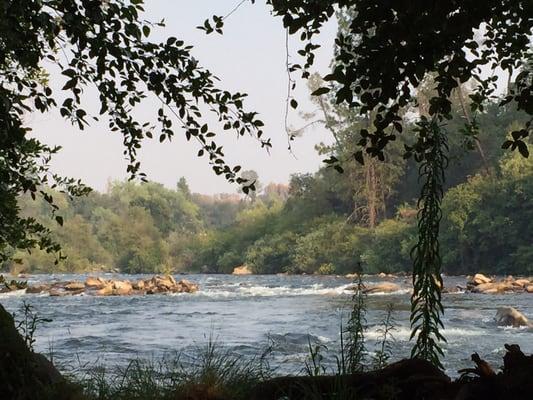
(383, 52)
(102, 45)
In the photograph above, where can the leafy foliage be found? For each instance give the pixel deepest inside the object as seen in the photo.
(379, 64)
(377, 69)
(103, 45)
(426, 306)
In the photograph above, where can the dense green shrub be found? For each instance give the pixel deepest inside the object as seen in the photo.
(331, 242)
(487, 221)
(390, 248)
(271, 254)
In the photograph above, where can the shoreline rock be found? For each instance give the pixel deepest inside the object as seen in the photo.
(242, 270)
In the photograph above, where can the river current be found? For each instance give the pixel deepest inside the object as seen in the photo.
(249, 314)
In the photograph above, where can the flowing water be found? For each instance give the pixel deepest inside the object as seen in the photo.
(250, 313)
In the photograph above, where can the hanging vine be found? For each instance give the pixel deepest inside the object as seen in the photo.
(430, 152)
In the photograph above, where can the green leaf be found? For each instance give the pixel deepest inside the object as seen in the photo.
(320, 91)
(146, 30)
(522, 148)
(358, 156)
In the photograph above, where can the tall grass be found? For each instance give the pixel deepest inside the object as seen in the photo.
(352, 354)
(209, 372)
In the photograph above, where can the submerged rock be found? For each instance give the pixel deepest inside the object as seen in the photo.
(38, 289)
(385, 287)
(454, 289)
(510, 316)
(187, 286)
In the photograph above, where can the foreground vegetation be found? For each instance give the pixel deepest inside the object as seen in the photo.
(213, 372)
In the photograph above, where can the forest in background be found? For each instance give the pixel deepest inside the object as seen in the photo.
(328, 222)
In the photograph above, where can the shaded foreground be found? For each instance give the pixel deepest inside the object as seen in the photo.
(25, 374)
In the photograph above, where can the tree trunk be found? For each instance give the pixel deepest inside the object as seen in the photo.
(468, 117)
(372, 195)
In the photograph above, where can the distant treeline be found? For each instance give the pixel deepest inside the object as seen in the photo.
(325, 223)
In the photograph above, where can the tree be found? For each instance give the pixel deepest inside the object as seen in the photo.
(183, 187)
(251, 185)
(368, 184)
(102, 44)
(379, 64)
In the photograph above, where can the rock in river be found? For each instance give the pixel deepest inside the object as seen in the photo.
(510, 316)
(122, 288)
(384, 287)
(479, 279)
(101, 287)
(75, 286)
(481, 284)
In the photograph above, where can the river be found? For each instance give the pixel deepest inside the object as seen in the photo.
(250, 313)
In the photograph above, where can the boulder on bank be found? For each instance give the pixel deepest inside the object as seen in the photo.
(510, 316)
(242, 270)
(384, 287)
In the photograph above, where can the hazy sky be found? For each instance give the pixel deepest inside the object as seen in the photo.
(249, 57)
